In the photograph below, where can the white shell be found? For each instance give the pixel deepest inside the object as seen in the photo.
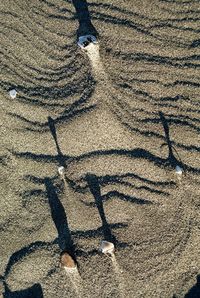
(179, 170)
(107, 247)
(61, 170)
(13, 93)
(85, 40)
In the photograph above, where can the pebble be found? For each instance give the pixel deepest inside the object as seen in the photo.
(66, 261)
(107, 247)
(85, 40)
(13, 93)
(179, 170)
(61, 170)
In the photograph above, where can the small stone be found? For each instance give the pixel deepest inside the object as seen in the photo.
(66, 261)
(179, 170)
(13, 93)
(85, 40)
(61, 170)
(107, 247)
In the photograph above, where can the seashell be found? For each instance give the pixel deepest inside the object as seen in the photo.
(13, 93)
(61, 170)
(85, 40)
(66, 261)
(107, 247)
(179, 170)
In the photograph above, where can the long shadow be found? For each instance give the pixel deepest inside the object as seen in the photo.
(171, 159)
(24, 252)
(96, 192)
(60, 157)
(60, 219)
(52, 128)
(194, 292)
(32, 292)
(137, 153)
(85, 24)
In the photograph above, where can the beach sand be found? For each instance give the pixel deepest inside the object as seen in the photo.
(119, 117)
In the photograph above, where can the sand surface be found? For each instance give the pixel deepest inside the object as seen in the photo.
(119, 118)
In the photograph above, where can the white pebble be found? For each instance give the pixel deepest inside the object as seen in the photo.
(13, 93)
(179, 170)
(85, 40)
(61, 170)
(107, 247)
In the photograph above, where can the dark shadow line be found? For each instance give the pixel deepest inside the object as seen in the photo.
(138, 153)
(180, 2)
(171, 158)
(195, 43)
(149, 134)
(42, 127)
(74, 110)
(179, 62)
(32, 292)
(60, 219)
(97, 232)
(36, 193)
(194, 292)
(85, 25)
(61, 158)
(179, 120)
(23, 252)
(96, 192)
(118, 10)
(131, 185)
(106, 179)
(165, 24)
(52, 128)
(125, 197)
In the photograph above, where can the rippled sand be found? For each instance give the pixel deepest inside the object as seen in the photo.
(119, 118)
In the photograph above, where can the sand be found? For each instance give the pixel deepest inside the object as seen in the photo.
(119, 118)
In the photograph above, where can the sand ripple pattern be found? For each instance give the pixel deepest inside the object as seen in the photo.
(119, 120)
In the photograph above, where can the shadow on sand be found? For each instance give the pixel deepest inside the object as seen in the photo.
(60, 157)
(171, 159)
(194, 292)
(33, 292)
(60, 219)
(85, 24)
(96, 192)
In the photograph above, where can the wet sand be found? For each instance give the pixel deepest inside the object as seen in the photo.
(119, 117)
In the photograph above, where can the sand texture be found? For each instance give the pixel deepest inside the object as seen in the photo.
(120, 117)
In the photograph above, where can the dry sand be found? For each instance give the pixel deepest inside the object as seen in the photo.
(119, 118)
